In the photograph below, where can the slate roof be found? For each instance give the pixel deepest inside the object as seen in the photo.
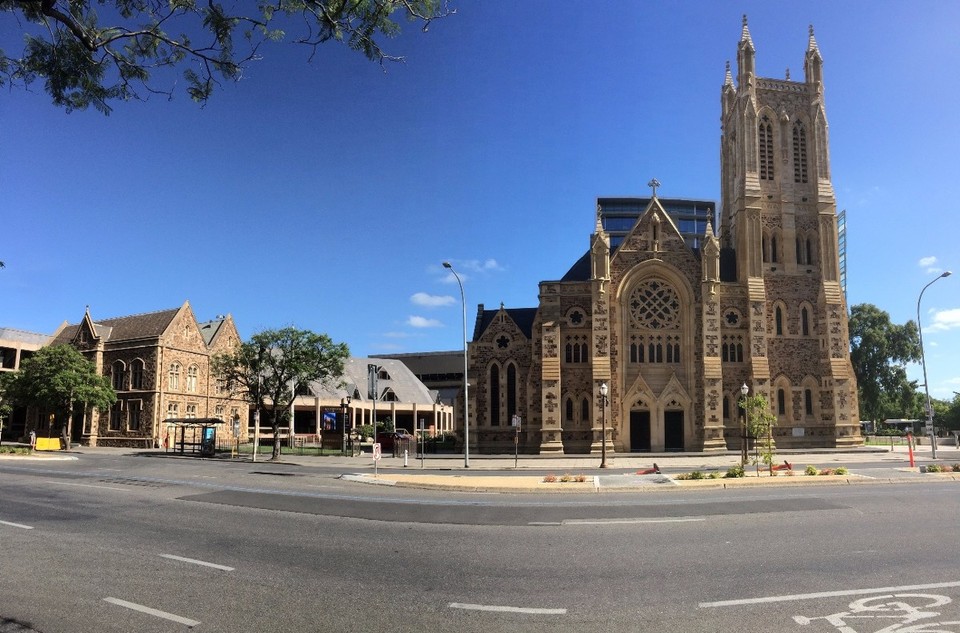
(136, 326)
(523, 317)
(209, 329)
(402, 382)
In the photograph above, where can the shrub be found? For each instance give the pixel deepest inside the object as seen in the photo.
(956, 468)
(565, 478)
(16, 450)
(810, 470)
(934, 468)
(841, 470)
(826, 471)
(734, 472)
(715, 475)
(549, 479)
(580, 478)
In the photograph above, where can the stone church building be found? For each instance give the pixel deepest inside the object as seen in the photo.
(675, 325)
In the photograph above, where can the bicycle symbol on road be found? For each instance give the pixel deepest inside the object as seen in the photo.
(895, 613)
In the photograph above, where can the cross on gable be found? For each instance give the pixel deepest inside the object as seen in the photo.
(653, 184)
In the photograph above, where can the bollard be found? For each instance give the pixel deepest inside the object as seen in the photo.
(910, 448)
(404, 458)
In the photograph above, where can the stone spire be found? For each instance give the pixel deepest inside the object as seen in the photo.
(745, 35)
(728, 79)
(813, 62)
(746, 56)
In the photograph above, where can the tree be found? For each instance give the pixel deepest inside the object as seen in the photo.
(879, 351)
(93, 53)
(274, 365)
(55, 378)
(760, 423)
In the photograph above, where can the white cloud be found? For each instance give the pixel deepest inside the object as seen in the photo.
(945, 320)
(929, 265)
(419, 321)
(432, 301)
(397, 334)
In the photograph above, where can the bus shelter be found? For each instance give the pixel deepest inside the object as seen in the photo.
(192, 436)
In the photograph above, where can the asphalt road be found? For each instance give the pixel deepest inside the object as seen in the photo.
(117, 543)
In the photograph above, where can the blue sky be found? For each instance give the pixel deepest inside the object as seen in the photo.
(326, 194)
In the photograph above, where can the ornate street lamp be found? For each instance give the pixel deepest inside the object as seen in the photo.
(603, 424)
(923, 362)
(744, 390)
(344, 403)
(466, 382)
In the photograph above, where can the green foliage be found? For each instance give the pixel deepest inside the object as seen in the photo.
(810, 470)
(56, 377)
(760, 423)
(841, 470)
(735, 472)
(15, 450)
(276, 364)
(934, 468)
(84, 63)
(880, 351)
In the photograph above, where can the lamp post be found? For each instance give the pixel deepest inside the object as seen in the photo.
(744, 390)
(344, 403)
(466, 381)
(923, 362)
(603, 425)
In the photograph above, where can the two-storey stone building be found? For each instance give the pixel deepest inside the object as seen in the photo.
(159, 365)
(676, 327)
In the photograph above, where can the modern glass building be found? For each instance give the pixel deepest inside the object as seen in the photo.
(619, 216)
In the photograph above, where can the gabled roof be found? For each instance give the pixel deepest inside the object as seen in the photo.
(210, 329)
(523, 317)
(405, 386)
(136, 326)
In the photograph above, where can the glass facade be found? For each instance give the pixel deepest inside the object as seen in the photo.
(619, 215)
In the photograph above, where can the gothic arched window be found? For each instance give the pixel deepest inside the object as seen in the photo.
(778, 320)
(799, 153)
(765, 137)
(495, 396)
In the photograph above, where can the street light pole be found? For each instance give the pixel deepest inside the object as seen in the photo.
(603, 425)
(744, 390)
(466, 381)
(923, 362)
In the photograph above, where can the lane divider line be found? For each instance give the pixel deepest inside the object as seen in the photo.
(194, 561)
(17, 525)
(506, 609)
(154, 612)
(825, 594)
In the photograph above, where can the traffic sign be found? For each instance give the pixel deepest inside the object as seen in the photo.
(376, 452)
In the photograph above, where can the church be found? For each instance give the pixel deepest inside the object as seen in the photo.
(677, 307)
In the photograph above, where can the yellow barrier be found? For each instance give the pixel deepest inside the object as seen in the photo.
(48, 444)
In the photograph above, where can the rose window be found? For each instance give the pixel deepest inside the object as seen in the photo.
(654, 305)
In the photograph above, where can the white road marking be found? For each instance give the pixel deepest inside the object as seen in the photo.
(825, 594)
(18, 525)
(197, 562)
(505, 609)
(617, 521)
(63, 483)
(154, 612)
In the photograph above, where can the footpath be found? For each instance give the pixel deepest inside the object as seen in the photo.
(582, 473)
(499, 473)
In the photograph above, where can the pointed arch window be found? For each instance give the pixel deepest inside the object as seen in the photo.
(808, 401)
(511, 389)
(799, 153)
(174, 377)
(136, 374)
(773, 248)
(585, 411)
(781, 402)
(118, 371)
(726, 407)
(192, 379)
(765, 137)
(568, 411)
(778, 320)
(805, 322)
(495, 396)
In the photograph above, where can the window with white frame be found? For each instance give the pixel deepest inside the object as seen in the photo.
(192, 379)
(174, 382)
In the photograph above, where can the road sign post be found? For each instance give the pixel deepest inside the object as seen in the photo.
(376, 457)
